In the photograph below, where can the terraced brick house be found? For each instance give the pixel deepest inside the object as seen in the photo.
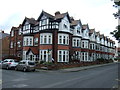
(16, 46)
(4, 44)
(59, 37)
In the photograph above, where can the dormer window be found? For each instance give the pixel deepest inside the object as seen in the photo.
(65, 26)
(78, 30)
(26, 27)
(86, 33)
(44, 22)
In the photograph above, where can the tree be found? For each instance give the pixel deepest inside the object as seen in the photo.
(116, 33)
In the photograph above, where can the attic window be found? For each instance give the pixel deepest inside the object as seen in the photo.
(65, 26)
(44, 22)
(78, 30)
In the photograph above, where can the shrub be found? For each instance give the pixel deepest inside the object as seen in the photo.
(41, 62)
(100, 60)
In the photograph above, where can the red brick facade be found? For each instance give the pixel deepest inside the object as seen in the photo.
(58, 34)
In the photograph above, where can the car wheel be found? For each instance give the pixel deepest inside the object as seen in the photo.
(33, 70)
(16, 69)
(7, 67)
(24, 69)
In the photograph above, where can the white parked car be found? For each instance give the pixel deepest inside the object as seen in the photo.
(1, 63)
(9, 63)
(25, 65)
(115, 61)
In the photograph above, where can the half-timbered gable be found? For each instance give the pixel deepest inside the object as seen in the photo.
(28, 25)
(47, 21)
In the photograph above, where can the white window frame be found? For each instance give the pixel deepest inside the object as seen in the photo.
(12, 33)
(19, 43)
(36, 41)
(63, 39)
(43, 53)
(64, 55)
(11, 44)
(46, 37)
(76, 42)
(28, 41)
(20, 31)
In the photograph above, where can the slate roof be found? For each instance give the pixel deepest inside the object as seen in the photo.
(102, 36)
(31, 20)
(91, 31)
(84, 26)
(60, 16)
(3, 35)
(74, 23)
(46, 14)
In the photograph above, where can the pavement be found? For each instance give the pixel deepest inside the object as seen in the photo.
(75, 69)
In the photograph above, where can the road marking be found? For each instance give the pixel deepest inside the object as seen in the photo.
(19, 79)
(0, 81)
(20, 85)
(115, 86)
(117, 80)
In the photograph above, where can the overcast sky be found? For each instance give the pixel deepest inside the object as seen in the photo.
(97, 13)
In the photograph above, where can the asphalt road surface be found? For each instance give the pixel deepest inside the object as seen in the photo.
(100, 77)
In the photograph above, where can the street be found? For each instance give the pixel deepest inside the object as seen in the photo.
(100, 77)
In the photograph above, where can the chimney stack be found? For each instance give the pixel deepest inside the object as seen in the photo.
(72, 19)
(57, 13)
(2, 31)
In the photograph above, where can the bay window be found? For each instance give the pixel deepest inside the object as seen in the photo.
(76, 42)
(63, 56)
(46, 38)
(63, 39)
(45, 55)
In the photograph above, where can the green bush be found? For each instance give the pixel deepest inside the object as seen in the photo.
(41, 62)
(100, 60)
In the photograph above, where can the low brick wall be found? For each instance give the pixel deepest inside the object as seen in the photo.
(65, 65)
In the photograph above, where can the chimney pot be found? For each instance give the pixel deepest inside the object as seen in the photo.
(57, 13)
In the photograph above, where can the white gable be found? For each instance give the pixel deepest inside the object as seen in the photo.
(102, 41)
(26, 23)
(92, 37)
(64, 25)
(98, 39)
(86, 34)
(43, 17)
(30, 53)
(75, 30)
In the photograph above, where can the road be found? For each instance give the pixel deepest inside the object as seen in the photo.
(100, 77)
